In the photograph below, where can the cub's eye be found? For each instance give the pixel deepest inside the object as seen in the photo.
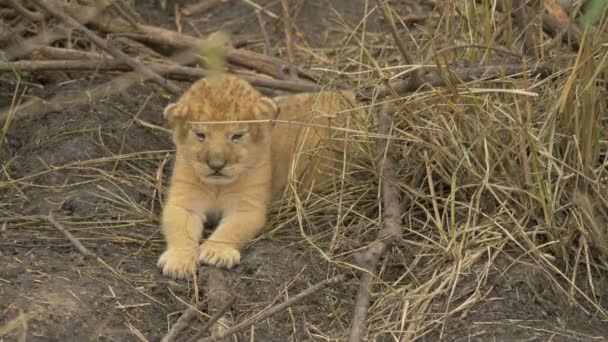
(236, 137)
(200, 136)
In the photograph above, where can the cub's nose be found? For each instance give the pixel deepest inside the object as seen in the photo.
(216, 164)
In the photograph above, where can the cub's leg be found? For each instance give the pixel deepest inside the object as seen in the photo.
(182, 229)
(234, 231)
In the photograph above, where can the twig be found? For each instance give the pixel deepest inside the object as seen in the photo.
(139, 47)
(390, 231)
(260, 8)
(267, 45)
(61, 53)
(288, 39)
(477, 46)
(201, 6)
(13, 219)
(16, 323)
(416, 78)
(219, 299)
(19, 7)
(125, 12)
(216, 316)
(64, 100)
(185, 320)
(255, 61)
(435, 78)
(550, 22)
(81, 248)
(277, 308)
(168, 70)
(136, 65)
(520, 12)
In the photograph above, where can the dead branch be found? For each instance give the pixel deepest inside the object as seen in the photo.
(219, 299)
(136, 65)
(183, 322)
(81, 248)
(288, 39)
(188, 317)
(553, 24)
(138, 48)
(158, 35)
(277, 308)
(436, 79)
(65, 100)
(24, 46)
(267, 45)
(522, 19)
(61, 53)
(116, 25)
(17, 323)
(21, 9)
(249, 59)
(388, 18)
(171, 71)
(60, 102)
(125, 12)
(498, 49)
(202, 6)
(216, 316)
(390, 231)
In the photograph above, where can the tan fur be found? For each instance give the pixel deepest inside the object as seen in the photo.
(256, 166)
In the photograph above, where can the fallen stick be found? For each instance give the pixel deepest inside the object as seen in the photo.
(390, 231)
(267, 45)
(158, 35)
(219, 299)
(523, 13)
(133, 63)
(81, 248)
(216, 317)
(186, 319)
(249, 59)
(169, 70)
(522, 19)
(293, 74)
(63, 100)
(61, 53)
(435, 78)
(416, 77)
(201, 6)
(183, 322)
(18, 6)
(277, 308)
(17, 323)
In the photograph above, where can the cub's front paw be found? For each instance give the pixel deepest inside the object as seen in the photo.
(179, 263)
(219, 254)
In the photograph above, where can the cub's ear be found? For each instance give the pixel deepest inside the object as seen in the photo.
(173, 114)
(266, 109)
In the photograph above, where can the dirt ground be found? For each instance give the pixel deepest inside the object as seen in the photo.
(100, 171)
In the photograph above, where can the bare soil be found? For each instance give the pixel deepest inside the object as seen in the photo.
(76, 160)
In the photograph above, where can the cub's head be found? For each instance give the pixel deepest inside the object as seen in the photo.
(220, 148)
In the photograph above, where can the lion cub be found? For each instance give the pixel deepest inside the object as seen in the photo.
(233, 170)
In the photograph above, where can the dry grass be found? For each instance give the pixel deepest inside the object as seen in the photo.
(512, 169)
